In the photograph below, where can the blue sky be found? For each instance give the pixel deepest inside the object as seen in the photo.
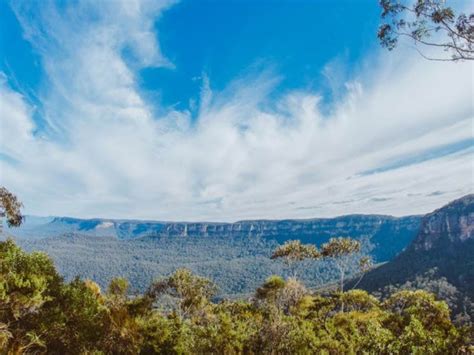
(224, 110)
(229, 38)
(225, 40)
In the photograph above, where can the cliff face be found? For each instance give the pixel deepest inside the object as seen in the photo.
(451, 224)
(445, 243)
(388, 235)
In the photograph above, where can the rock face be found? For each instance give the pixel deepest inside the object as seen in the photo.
(445, 243)
(388, 235)
(450, 225)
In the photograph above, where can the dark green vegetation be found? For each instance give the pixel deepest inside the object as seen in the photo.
(440, 259)
(237, 266)
(40, 313)
(233, 255)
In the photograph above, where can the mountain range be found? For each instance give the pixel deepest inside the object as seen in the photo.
(432, 251)
(234, 255)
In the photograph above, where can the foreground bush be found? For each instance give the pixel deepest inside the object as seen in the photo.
(40, 313)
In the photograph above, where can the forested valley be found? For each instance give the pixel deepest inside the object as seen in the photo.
(41, 312)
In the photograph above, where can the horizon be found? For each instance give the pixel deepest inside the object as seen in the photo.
(226, 111)
(248, 220)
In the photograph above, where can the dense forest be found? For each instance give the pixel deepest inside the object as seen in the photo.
(236, 265)
(235, 256)
(40, 313)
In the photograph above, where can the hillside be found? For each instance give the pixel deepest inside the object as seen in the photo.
(442, 250)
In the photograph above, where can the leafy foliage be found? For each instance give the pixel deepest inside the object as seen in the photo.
(10, 208)
(428, 23)
(41, 313)
(293, 251)
(340, 247)
(460, 303)
(346, 256)
(191, 292)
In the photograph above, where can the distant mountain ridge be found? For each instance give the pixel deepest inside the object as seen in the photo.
(234, 255)
(389, 235)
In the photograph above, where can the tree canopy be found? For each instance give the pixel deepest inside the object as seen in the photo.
(10, 208)
(293, 252)
(40, 313)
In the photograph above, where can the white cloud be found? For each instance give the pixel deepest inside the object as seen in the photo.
(246, 156)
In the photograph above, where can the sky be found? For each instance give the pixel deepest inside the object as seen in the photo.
(226, 110)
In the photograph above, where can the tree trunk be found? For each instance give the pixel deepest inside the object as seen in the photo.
(342, 290)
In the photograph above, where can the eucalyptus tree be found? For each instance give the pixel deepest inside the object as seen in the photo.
(344, 252)
(428, 23)
(293, 252)
(10, 208)
(191, 293)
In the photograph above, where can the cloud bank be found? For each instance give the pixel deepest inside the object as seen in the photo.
(399, 141)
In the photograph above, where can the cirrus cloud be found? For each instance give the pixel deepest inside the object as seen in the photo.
(398, 141)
